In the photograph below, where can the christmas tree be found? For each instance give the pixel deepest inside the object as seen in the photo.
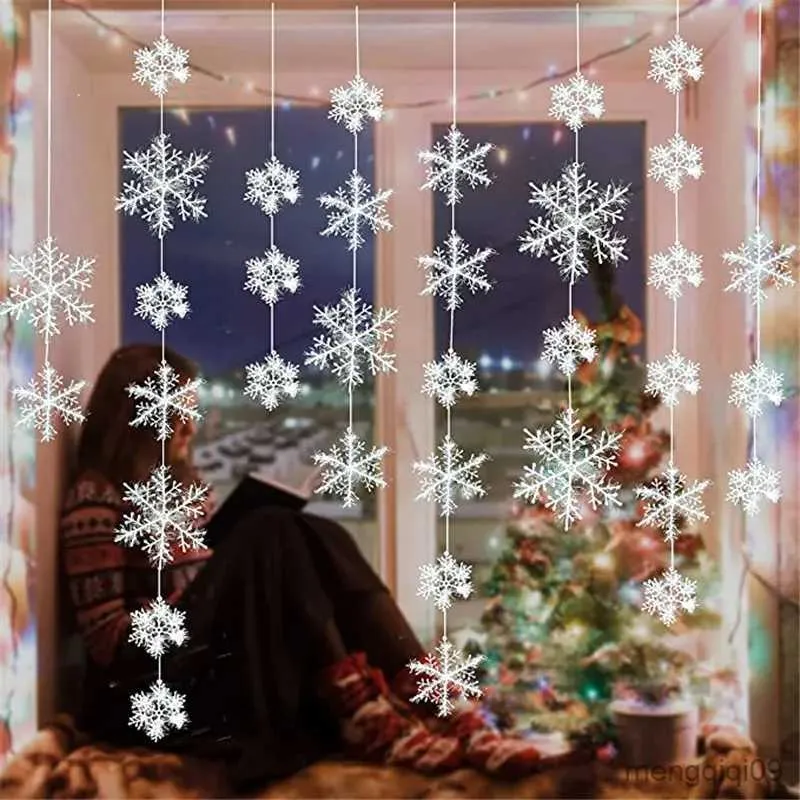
(565, 633)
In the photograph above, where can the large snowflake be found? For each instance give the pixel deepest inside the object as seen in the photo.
(758, 263)
(165, 183)
(753, 389)
(272, 185)
(444, 580)
(671, 502)
(272, 275)
(45, 400)
(354, 104)
(671, 376)
(671, 269)
(452, 162)
(157, 627)
(356, 336)
(674, 162)
(158, 302)
(349, 465)
(452, 268)
(163, 397)
(448, 377)
(575, 101)
(165, 515)
(353, 208)
(450, 476)
(747, 487)
(580, 218)
(573, 464)
(270, 380)
(52, 284)
(157, 710)
(675, 64)
(569, 345)
(160, 65)
(666, 597)
(447, 678)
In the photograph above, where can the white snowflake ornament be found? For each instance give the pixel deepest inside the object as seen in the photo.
(756, 264)
(272, 275)
(160, 65)
(354, 104)
(668, 596)
(444, 580)
(575, 100)
(672, 163)
(161, 301)
(671, 376)
(675, 64)
(158, 710)
(271, 380)
(569, 345)
(157, 627)
(45, 400)
(272, 185)
(674, 268)
(753, 389)
(749, 486)
(448, 377)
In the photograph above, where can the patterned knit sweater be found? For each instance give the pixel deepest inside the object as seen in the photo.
(107, 580)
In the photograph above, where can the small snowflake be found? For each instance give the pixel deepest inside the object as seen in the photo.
(356, 335)
(165, 513)
(580, 219)
(753, 389)
(447, 677)
(158, 626)
(453, 161)
(445, 579)
(165, 181)
(270, 380)
(749, 485)
(568, 345)
(158, 710)
(671, 503)
(671, 269)
(675, 161)
(667, 596)
(52, 286)
(272, 185)
(452, 267)
(450, 476)
(573, 463)
(675, 64)
(449, 376)
(353, 104)
(671, 376)
(354, 207)
(270, 276)
(159, 301)
(576, 100)
(163, 397)
(756, 263)
(45, 399)
(349, 465)
(161, 64)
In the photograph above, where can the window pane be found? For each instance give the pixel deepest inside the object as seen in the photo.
(228, 327)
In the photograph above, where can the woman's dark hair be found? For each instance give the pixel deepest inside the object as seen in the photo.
(108, 444)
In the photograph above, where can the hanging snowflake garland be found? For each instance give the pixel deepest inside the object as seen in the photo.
(672, 376)
(753, 389)
(672, 163)
(749, 486)
(269, 381)
(569, 345)
(160, 65)
(158, 710)
(46, 399)
(758, 264)
(666, 597)
(676, 64)
(157, 627)
(354, 104)
(444, 580)
(448, 377)
(576, 100)
(272, 275)
(272, 185)
(673, 269)
(161, 301)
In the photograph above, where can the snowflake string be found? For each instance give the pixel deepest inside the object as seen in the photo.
(158, 710)
(270, 380)
(51, 288)
(160, 65)
(449, 376)
(667, 596)
(580, 219)
(672, 269)
(158, 626)
(444, 580)
(354, 104)
(452, 162)
(450, 476)
(753, 389)
(671, 376)
(165, 181)
(671, 502)
(675, 64)
(272, 275)
(447, 677)
(757, 263)
(348, 465)
(576, 100)
(45, 400)
(354, 207)
(675, 161)
(165, 516)
(573, 464)
(272, 185)
(158, 302)
(569, 345)
(748, 486)
(356, 336)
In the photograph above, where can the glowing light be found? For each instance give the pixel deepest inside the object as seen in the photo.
(658, 29)
(315, 162)
(552, 70)
(339, 155)
(522, 96)
(230, 135)
(603, 561)
(23, 81)
(502, 155)
(249, 86)
(389, 114)
(286, 105)
(543, 369)
(116, 40)
(526, 134)
(558, 135)
(506, 364)
(314, 92)
(592, 70)
(182, 114)
(212, 122)
(640, 629)
(485, 361)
